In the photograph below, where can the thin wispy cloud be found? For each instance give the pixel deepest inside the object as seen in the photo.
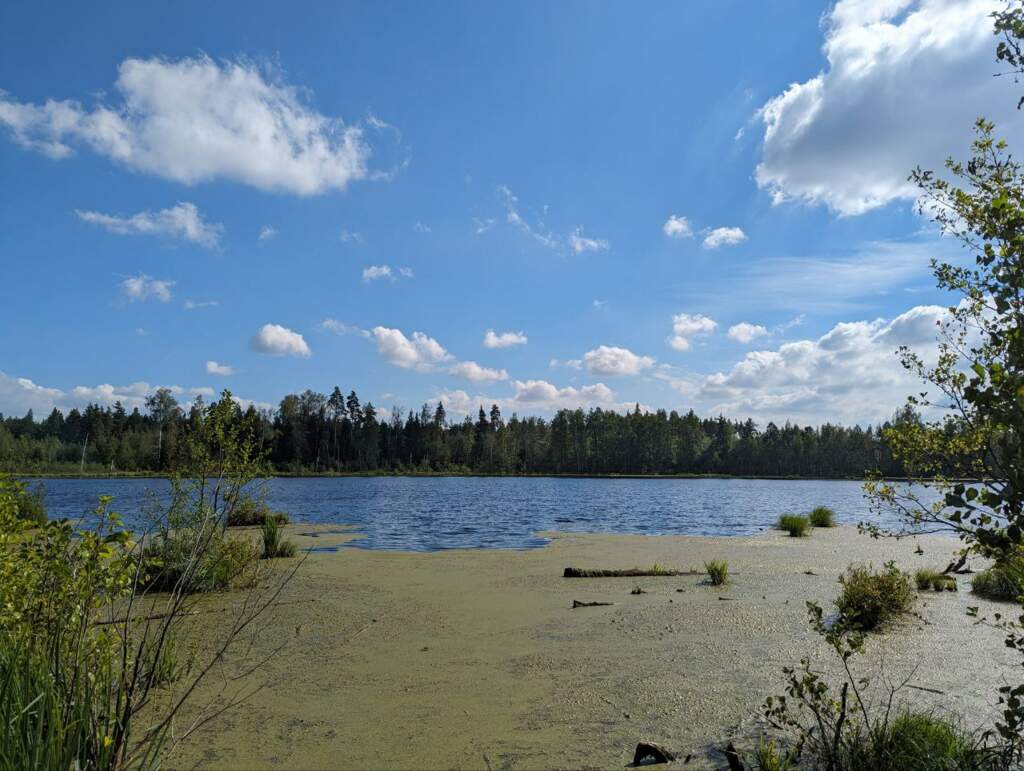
(182, 221)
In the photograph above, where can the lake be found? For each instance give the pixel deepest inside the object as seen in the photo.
(432, 513)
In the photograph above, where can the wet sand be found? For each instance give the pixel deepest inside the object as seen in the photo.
(475, 659)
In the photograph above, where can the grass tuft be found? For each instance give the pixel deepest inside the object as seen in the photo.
(274, 543)
(869, 599)
(822, 516)
(718, 572)
(1003, 581)
(794, 524)
(925, 578)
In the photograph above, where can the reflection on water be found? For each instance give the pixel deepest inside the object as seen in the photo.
(432, 513)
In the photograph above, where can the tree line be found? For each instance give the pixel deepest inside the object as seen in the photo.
(318, 433)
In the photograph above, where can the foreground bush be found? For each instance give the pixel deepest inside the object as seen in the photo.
(822, 516)
(1004, 581)
(718, 572)
(868, 599)
(794, 524)
(197, 561)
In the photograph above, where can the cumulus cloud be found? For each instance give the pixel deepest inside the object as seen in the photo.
(142, 287)
(494, 339)
(470, 370)
(181, 221)
(614, 361)
(686, 326)
(18, 395)
(276, 340)
(224, 370)
(849, 136)
(420, 352)
(850, 374)
(724, 237)
(375, 272)
(677, 227)
(535, 396)
(195, 120)
(745, 332)
(580, 243)
(266, 233)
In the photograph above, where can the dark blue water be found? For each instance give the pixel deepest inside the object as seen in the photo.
(431, 513)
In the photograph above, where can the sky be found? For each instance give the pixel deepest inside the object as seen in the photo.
(570, 204)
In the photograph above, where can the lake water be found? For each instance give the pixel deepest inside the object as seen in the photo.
(431, 513)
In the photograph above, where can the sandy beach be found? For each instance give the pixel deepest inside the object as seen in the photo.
(476, 659)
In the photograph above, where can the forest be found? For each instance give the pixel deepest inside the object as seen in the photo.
(313, 433)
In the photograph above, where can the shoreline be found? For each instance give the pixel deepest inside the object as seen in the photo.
(473, 658)
(459, 475)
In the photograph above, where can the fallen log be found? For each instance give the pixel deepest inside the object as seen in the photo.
(579, 604)
(627, 573)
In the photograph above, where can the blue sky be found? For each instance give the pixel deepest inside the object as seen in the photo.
(679, 204)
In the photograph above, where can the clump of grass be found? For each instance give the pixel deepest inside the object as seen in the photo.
(196, 561)
(869, 599)
(915, 741)
(822, 516)
(657, 569)
(274, 543)
(926, 578)
(718, 572)
(248, 511)
(769, 757)
(794, 524)
(1003, 581)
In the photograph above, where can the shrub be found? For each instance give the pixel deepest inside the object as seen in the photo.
(197, 561)
(1003, 581)
(794, 524)
(248, 511)
(718, 572)
(869, 599)
(822, 516)
(925, 578)
(274, 545)
(769, 757)
(920, 741)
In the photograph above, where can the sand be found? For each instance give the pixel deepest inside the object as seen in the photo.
(475, 659)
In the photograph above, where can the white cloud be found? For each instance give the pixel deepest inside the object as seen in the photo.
(341, 328)
(470, 370)
(180, 221)
(745, 332)
(686, 326)
(724, 237)
(580, 243)
(280, 341)
(494, 339)
(375, 272)
(213, 368)
(352, 237)
(191, 305)
(142, 287)
(18, 395)
(266, 233)
(849, 136)
(614, 361)
(850, 374)
(421, 352)
(677, 227)
(195, 120)
(419, 227)
(531, 397)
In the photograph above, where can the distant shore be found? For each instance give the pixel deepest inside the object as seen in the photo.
(429, 474)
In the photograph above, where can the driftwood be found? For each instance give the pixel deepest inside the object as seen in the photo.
(732, 757)
(656, 752)
(579, 604)
(628, 573)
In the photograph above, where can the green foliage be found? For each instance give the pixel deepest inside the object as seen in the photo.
(797, 526)
(769, 757)
(1003, 581)
(822, 516)
(868, 598)
(190, 560)
(274, 544)
(926, 578)
(718, 572)
(249, 511)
